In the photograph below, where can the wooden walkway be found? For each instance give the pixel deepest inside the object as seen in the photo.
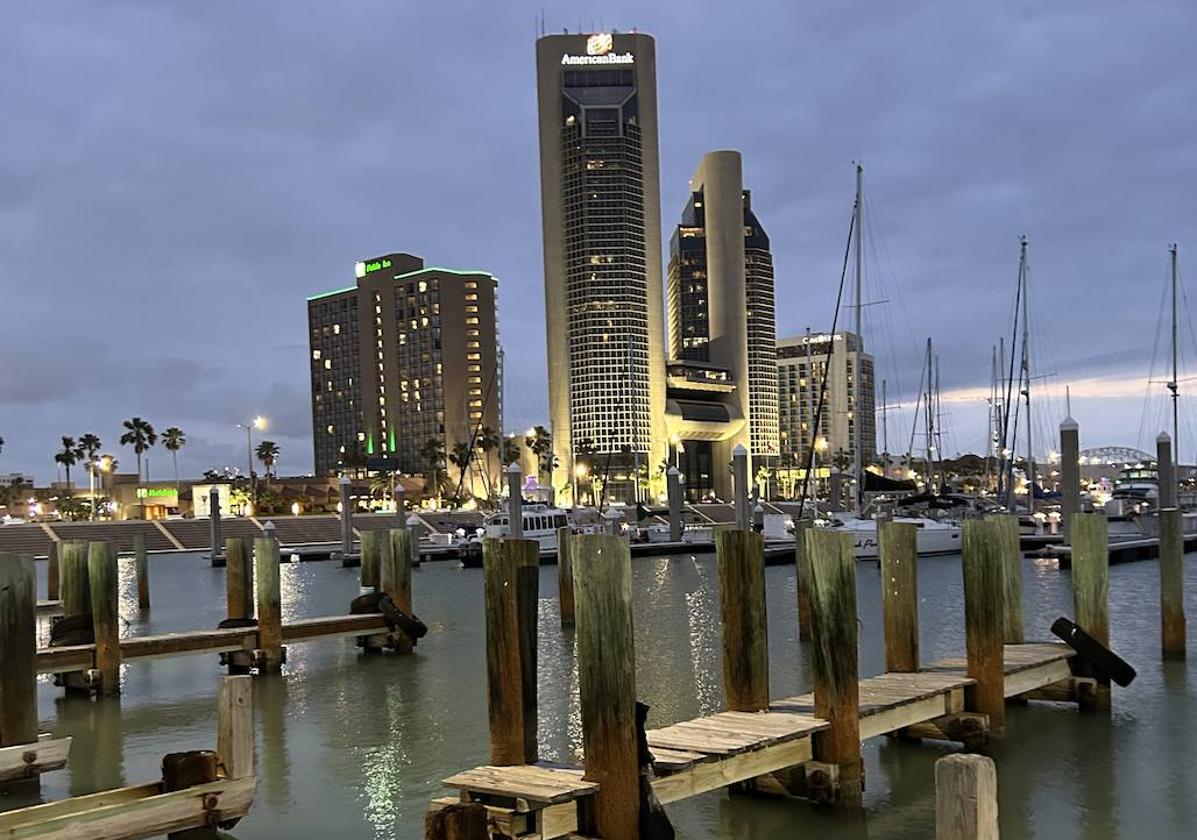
(708, 753)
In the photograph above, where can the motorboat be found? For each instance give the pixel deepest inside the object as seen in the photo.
(935, 537)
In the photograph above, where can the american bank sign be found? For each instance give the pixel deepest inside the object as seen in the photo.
(609, 58)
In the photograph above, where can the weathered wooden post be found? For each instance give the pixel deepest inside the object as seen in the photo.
(966, 798)
(394, 581)
(511, 570)
(103, 581)
(235, 732)
(141, 559)
(270, 653)
(400, 497)
(898, 552)
(18, 651)
(673, 486)
(1070, 474)
(611, 522)
(565, 578)
(52, 571)
(239, 578)
(515, 502)
(214, 526)
(413, 539)
(740, 559)
(1090, 589)
(1172, 549)
(372, 541)
(983, 621)
(73, 586)
(460, 821)
(838, 772)
(1011, 558)
(346, 516)
(802, 577)
(740, 487)
(607, 683)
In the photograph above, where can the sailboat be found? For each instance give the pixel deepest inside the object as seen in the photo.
(933, 536)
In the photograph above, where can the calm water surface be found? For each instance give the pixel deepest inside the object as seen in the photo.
(349, 746)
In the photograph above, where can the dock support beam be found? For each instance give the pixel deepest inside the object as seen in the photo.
(802, 578)
(214, 536)
(741, 570)
(239, 578)
(18, 651)
(1070, 475)
(966, 798)
(673, 486)
(740, 486)
(142, 562)
(52, 571)
(346, 520)
(103, 581)
(838, 772)
(460, 821)
(394, 580)
(1167, 471)
(607, 683)
(898, 543)
(984, 575)
(235, 722)
(511, 572)
(270, 654)
(1006, 526)
(565, 578)
(1172, 582)
(515, 502)
(371, 553)
(1090, 590)
(75, 592)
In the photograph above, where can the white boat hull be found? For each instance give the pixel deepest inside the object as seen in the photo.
(934, 538)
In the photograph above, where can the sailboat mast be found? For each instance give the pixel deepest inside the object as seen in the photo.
(1026, 369)
(1174, 385)
(990, 431)
(812, 459)
(884, 431)
(928, 422)
(857, 419)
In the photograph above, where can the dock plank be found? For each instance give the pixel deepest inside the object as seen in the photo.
(523, 781)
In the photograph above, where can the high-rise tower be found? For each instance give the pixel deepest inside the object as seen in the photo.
(600, 200)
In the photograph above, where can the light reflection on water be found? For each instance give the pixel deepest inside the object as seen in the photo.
(355, 746)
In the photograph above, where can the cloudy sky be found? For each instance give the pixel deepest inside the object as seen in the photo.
(176, 177)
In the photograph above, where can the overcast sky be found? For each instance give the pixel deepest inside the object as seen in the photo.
(176, 177)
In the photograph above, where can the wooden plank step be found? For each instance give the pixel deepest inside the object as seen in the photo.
(525, 781)
(671, 761)
(697, 738)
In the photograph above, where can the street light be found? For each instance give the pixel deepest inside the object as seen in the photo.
(258, 422)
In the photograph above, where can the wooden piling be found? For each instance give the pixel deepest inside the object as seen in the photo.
(371, 551)
(802, 578)
(1172, 607)
(607, 682)
(52, 571)
(104, 582)
(565, 578)
(834, 663)
(18, 651)
(394, 580)
(74, 589)
(511, 571)
(141, 559)
(270, 633)
(235, 733)
(460, 821)
(1090, 589)
(898, 544)
(740, 563)
(1011, 557)
(984, 599)
(239, 578)
(966, 798)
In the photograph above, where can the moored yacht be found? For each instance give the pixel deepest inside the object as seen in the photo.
(934, 537)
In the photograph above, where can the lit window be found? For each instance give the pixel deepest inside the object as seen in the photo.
(330, 429)
(316, 355)
(328, 364)
(336, 329)
(423, 286)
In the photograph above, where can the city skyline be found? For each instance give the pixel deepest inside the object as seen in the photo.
(199, 246)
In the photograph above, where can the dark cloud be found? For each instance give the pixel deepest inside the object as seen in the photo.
(176, 178)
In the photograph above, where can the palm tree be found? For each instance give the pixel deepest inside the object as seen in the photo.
(510, 450)
(89, 445)
(67, 457)
(174, 439)
(141, 436)
(540, 441)
(433, 456)
(461, 456)
(487, 442)
(267, 452)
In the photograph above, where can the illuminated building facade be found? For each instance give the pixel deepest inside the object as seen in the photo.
(600, 199)
(407, 355)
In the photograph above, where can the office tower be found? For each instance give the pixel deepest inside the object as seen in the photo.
(600, 201)
(722, 374)
(799, 397)
(406, 355)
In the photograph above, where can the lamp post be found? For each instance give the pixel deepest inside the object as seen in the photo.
(258, 422)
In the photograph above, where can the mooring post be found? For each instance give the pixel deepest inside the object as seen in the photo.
(838, 772)
(141, 559)
(214, 526)
(606, 661)
(1011, 558)
(802, 578)
(565, 577)
(371, 551)
(898, 550)
(740, 564)
(75, 594)
(1070, 474)
(984, 597)
(269, 656)
(1172, 607)
(346, 519)
(740, 487)
(239, 578)
(673, 486)
(413, 539)
(103, 580)
(400, 496)
(52, 571)
(511, 570)
(515, 502)
(394, 580)
(1166, 467)
(1090, 589)
(18, 651)
(235, 727)
(966, 798)
(459, 821)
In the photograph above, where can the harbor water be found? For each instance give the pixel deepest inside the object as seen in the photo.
(355, 746)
